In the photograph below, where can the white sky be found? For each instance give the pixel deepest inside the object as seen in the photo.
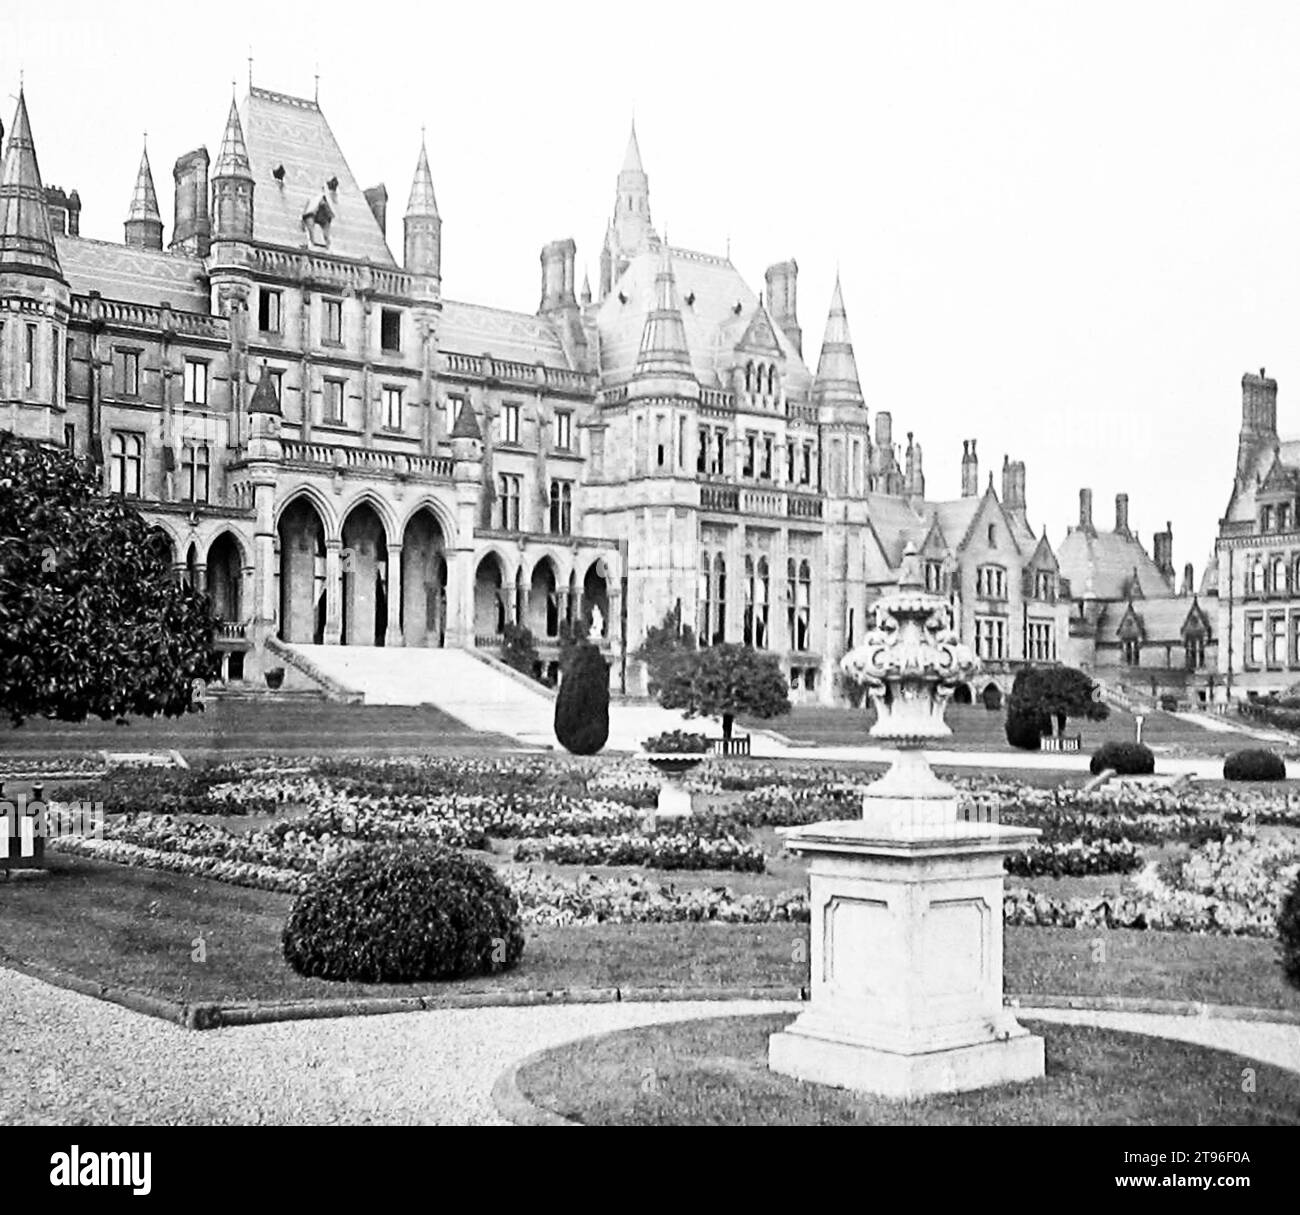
(1064, 229)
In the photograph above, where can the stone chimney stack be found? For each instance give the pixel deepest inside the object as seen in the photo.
(1121, 515)
(1013, 484)
(192, 231)
(1189, 583)
(558, 260)
(1085, 510)
(884, 435)
(1258, 419)
(1163, 543)
(970, 469)
(782, 300)
(377, 197)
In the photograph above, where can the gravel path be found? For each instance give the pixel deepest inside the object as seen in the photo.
(69, 1059)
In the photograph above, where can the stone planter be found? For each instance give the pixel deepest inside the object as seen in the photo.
(275, 678)
(674, 797)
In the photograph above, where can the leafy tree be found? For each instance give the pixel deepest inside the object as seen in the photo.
(1026, 723)
(582, 705)
(665, 646)
(726, 681)
(92, 620)
(519, 650)
(1063, 692)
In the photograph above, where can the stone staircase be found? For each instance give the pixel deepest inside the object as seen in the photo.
(470, 687)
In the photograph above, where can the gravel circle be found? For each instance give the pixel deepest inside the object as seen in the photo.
(68, 1059)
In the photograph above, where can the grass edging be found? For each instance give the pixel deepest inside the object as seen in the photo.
(214, 1014)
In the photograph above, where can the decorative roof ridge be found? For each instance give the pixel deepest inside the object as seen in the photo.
(301, 103)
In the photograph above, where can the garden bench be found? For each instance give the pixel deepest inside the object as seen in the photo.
(1069, 743)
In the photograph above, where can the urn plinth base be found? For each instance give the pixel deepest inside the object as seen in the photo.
(906, 945)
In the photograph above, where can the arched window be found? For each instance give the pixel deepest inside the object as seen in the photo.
(704, 631)
(747, 632)
(791, 594)
(771, 380)
(1278, 578)
(749, 376)
(803, 615)
(993, 536)
(1257, 577)
(761, 604)
(720, 599)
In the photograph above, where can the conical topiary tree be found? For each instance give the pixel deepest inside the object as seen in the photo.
(582, 706)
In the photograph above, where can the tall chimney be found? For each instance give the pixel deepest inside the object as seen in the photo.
(1013, 484)
(377, 197)
(1085, 510)
(970, 470)
(1258, 419)
(782, 302)
(192, 232)
(557, 275)
(1163, 544)
(1121, 514)
(1189, 585)
(884, 435)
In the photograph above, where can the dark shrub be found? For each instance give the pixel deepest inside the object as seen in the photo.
(519, 650)
(402, 913)
(1254, 764)
(582, 706)
(1288, 932)
(1025, 728)
(1128, 759)
(1169, 702)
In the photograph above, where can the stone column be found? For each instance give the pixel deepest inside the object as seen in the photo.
(333, 591)
(393, 633)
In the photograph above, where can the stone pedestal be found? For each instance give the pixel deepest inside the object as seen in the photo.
(907, 954)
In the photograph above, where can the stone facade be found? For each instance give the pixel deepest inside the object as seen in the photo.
(1257, 568)
(340, 454)
(1132, 626)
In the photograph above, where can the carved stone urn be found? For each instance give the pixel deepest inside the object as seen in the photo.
(906, 902)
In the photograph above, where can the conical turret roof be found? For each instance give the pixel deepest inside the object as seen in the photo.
(144, 201)
(663, 338)
(232, 160)
(422, 201)
(264, 398)
(837, 369)
(26, 238)
(632, 157)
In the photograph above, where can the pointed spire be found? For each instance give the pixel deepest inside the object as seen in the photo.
(422, 201)
(585, 297)
(232, 160)
(632, 158)
(144, 202)
(26, 238)
(663, 338)
(837, 369)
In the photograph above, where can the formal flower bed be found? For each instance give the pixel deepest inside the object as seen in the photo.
(1075, 858)
(684, 850)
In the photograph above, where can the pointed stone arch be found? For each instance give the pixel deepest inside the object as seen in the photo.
(226, 560)
(364, 568)
(423, 610)
(301, 530)
(323, 506)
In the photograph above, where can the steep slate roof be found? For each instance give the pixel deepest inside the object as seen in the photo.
(837, 369)
(1110, 559)
(143, 276)
(896, 525)
(708, 288)
(1161, 620)
(663, 339)
(955, 517)
(291, 131)
(517, 336)
(422, 201)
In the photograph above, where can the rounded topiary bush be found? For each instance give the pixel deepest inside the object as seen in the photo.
(1288, 933)
(1254, 764)
(402, 913)
(1126, 758)
(582, 704)
(1025, 727)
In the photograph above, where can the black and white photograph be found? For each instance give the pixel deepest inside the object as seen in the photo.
(695, 565)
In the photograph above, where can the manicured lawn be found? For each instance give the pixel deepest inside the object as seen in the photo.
(715, 1073)
(232, 726)
(974, 728)
(137, 928)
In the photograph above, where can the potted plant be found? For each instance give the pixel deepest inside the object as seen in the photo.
(676, 751)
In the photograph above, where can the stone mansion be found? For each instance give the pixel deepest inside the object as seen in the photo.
(339, 454)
